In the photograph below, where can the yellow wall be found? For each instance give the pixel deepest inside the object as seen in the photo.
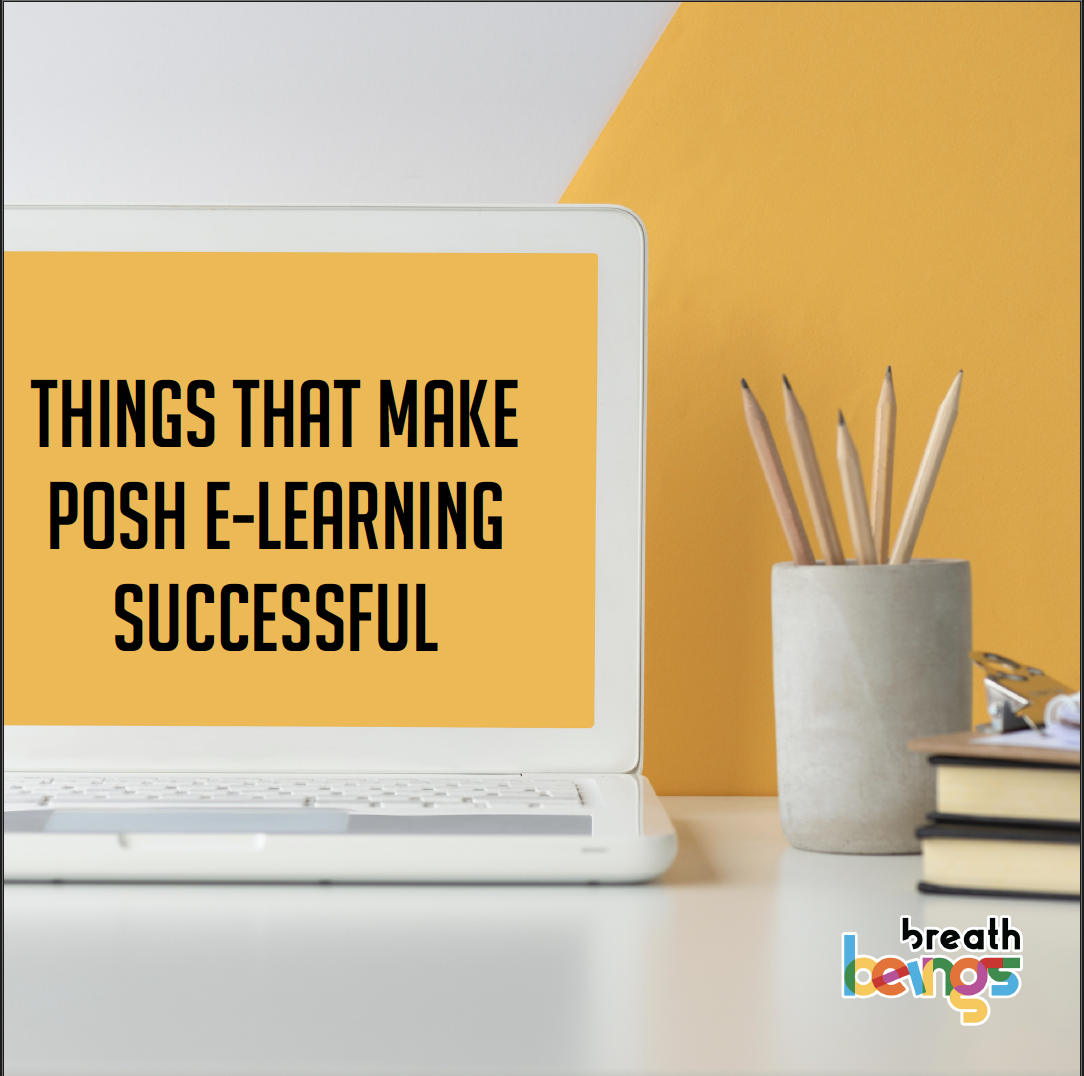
(828, 189)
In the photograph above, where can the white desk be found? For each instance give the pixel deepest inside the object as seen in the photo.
(731, 965)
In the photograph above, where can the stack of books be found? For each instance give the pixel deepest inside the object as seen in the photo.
(1007, 821)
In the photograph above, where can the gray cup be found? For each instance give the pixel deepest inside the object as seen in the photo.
(865, 659)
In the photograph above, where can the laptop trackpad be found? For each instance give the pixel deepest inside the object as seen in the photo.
(299, 821)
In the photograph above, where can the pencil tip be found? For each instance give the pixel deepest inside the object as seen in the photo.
(888, 373)
(787, 383)
(744, 384)
(841, 422)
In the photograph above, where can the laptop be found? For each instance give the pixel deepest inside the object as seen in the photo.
(323, 545)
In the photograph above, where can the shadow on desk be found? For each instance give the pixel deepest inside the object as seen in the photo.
(741, 846)
(692, 866)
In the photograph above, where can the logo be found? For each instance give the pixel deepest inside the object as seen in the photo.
(986, 969)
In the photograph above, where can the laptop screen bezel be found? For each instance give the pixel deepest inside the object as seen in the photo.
(614, 743)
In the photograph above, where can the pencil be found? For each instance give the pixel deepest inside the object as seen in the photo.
(778, 485)
(884, 450)
(812, 480)
(854, 493)
(922, 490)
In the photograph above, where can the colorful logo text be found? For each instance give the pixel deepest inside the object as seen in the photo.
(963, 979)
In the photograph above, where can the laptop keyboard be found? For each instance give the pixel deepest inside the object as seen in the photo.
(356, 793)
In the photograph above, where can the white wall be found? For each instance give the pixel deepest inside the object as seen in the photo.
(309, 103)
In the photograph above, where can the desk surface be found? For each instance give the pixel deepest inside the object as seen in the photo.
(731, 964)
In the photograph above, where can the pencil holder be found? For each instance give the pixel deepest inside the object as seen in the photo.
(865, 659)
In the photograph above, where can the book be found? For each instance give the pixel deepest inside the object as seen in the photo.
(982, 859)
(1007, 821)
(1006, 791)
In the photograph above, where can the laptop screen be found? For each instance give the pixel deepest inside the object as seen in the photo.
(300, 489)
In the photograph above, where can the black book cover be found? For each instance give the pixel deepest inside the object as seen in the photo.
(963, 891)
(975, 831)
(996, 820)
(1005, 763)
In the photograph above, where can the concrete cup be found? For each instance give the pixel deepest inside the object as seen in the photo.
(866, 657)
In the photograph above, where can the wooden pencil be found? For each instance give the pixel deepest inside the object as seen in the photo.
(778, 485)
(809, 468)
(884, 450)
(854, 494)
(922, 490)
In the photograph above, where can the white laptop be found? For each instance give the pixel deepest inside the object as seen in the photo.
(323, 545)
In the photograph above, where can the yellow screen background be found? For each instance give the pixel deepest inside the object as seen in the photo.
(514, 626)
